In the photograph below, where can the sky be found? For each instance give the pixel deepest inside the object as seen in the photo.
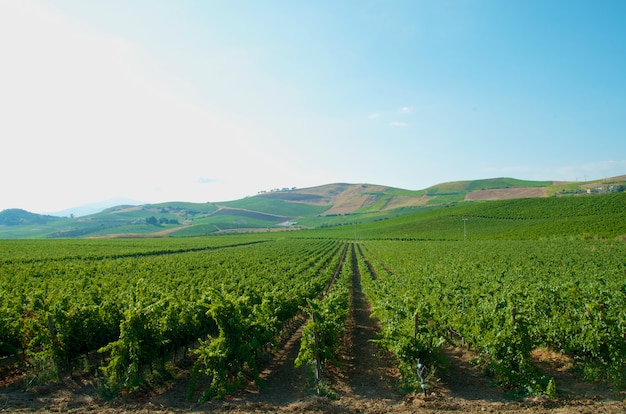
(207, 101)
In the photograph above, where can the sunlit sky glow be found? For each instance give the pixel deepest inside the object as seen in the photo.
(216, 100)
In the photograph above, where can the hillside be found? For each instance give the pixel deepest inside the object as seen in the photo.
(316, 207)
(550, 218)
(19, 217)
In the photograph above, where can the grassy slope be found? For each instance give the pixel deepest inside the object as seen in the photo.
(598, 216)
(323, 206)
(276, 207)
(467, 186)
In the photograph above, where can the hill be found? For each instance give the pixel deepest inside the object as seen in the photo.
(17, 217)
(316, 207)
(600, 216)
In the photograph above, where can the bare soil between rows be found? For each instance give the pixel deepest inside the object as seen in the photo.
(366, 381)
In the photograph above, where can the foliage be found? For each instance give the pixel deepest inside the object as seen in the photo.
(505, 299)
(553, 218)
(139, 301)
(532, 273)
(245, 333)
(322, 333)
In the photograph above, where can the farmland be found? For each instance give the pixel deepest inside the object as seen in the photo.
(310, 208)
(204, 317)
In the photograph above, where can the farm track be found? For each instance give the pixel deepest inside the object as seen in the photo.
(367, 374)
(365, 381)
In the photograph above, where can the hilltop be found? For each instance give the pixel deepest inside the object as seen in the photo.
(285, 209)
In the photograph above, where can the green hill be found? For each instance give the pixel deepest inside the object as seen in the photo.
(464, 187)
(600, 216)
(19, 217)
(334, 205)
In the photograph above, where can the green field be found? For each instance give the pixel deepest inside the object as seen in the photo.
(507, 276)
(593, 217)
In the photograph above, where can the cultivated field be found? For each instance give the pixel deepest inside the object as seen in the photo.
(186, 325)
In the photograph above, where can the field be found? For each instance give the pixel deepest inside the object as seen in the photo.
(521, 308)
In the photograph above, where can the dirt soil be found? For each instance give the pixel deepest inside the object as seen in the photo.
(506, 193)
(366, 382)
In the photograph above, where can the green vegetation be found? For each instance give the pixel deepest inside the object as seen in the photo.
(321, 335)
(276, 207)
(467, 186)
(586, 217)
(138, 305)
(318, 207)
(500, 277)
(505, 298)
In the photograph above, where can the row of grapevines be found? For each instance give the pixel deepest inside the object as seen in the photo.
(506, 298)
(253, 299)
(248, 326)
(63, 249)
(406, 330)
(140, 308)
(322, 333)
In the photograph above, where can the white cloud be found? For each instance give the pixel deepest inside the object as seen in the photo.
(389, 113)
(204, 180)
(398, 124)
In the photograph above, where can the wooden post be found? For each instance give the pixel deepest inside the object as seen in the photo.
(318, 368)
(51, 327)
(463, 310)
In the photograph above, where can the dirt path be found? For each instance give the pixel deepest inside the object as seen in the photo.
(281, 383)
(368, 379)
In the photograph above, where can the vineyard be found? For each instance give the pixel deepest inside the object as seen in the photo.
(212, 313)
(504, 300)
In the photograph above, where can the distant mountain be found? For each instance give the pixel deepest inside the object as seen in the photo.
(93, 208)
(281, 209)
(19, 217)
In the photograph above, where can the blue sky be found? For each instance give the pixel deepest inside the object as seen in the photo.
(216, 100)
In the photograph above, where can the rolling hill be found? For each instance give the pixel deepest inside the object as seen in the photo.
(287, 209)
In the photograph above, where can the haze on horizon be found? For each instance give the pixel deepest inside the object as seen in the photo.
(210, 101)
